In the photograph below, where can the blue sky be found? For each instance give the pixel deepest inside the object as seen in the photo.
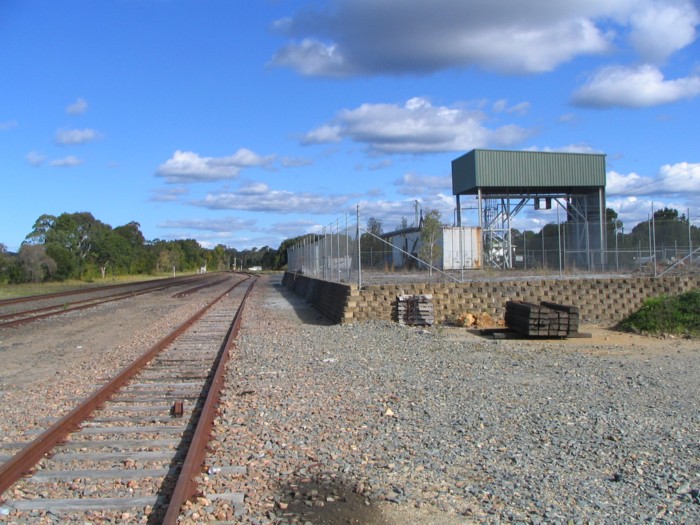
(247, 122)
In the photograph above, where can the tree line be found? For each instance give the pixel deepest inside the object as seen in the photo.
(79, 246)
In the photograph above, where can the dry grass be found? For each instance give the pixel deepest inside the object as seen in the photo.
(10, 291)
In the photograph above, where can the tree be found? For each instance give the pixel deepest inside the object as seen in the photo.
(37, 264)
(431, 230)
(669, 228)
(66, 264)
(374, 250)
(5, 262)
(41, 228)
(374, 226)
(281, 256)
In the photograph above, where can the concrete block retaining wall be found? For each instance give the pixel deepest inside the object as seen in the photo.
(601, 300)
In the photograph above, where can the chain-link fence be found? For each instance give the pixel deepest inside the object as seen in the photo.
(344, 251)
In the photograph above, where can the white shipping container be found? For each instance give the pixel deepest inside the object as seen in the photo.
(461, 248)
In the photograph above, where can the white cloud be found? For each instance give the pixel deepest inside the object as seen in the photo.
(295, 228)
(311, 57)
(67, 162)
(78, 107)
(634, 87)
(661, 28)
(569, 148)
(390, 213)
(75, 136)
(323, 135)
(168, 194)
(630, 184)
(413, 184)
(633, 210)
(420, 127)
(34, 158)
(254, 188)
(259, 197)
(501, 106)
(672, 179)
(225, 225)
(187, 166)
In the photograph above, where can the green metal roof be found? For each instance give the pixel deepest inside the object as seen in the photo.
(526, 171)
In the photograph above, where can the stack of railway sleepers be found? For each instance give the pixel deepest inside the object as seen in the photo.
(415, 310)
(568, 316)
(542, 320)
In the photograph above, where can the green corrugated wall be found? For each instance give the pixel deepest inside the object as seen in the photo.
(526, 169)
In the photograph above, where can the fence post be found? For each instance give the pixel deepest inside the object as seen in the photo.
(559, 240)
(359, 251)
(690, 238)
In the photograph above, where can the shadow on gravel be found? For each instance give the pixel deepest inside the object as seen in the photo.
(323, 503)
(306, 313)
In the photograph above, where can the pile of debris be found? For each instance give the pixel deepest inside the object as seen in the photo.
(478, 320)
(542, 320)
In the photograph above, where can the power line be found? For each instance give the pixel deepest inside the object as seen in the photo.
(656, 181)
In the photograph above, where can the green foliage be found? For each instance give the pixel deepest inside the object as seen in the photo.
(665, 314)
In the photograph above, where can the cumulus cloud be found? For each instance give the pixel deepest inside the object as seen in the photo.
(633, 210)
(634, 87)
(366, 37)
(420, 127)
(78, 107)
(259, 197)
(34, 158)
(659, 28)
(294, 228)
(187, 166)
(168, 194)
(67, 162)
(69, 137)
(413, 184)
(323, 135)
(671, 179)
(391, 213)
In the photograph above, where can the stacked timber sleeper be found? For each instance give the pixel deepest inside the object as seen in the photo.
(415, 310)
(542, 320)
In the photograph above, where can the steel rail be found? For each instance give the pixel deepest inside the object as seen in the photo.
(186, 486)
(79, 291)
(84, 304)
(196, 288)
(24, 461)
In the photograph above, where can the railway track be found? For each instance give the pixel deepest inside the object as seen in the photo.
(14, 312)
(134, 447)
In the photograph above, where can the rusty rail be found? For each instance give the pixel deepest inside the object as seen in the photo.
(186, 485)
(92, 289)
(50, 311)
(23, 462)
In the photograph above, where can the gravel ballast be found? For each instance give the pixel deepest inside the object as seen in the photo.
(379, 423)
